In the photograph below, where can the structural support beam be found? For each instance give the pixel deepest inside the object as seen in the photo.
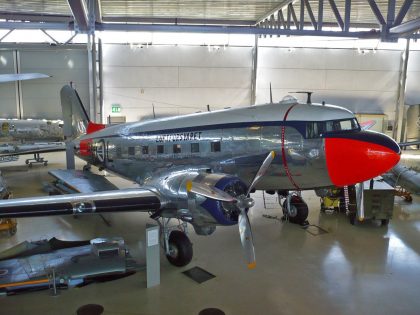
(80, 14)
(280, 19)
(98, 11)
(377, 12)
(177, 21)
(302, 15)
(347, 11)
(91, 48)
(294, 17)
(277, 8)
(403, 11)
(399, 128)
(254, 71)
(311, 14)
(336, 14)
(320, 14)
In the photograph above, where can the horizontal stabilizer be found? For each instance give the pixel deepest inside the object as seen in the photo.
(83, 181)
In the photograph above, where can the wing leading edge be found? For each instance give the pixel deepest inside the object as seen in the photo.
(95, 194)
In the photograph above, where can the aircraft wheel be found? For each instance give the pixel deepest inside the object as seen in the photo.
(298, 212)
(13, 231)
(45, 163)
(180, 249)
(26, 161)
(352, 218)
(384, 222)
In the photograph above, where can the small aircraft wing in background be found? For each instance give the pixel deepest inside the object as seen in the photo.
(366, 125)
(22, 76)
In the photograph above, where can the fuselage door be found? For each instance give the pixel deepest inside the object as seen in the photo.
(100, 151)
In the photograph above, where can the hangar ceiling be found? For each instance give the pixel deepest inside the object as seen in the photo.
(387, 19)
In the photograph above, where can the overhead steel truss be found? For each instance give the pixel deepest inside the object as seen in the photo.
(284, 20)
(289, 17)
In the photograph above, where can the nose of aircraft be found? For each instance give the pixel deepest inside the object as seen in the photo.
(356, 157)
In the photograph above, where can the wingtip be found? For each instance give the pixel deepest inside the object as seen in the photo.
(252, 265)
(273, 154)
(189, 186)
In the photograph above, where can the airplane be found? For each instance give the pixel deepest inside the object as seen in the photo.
(28, 136)
(201, 168)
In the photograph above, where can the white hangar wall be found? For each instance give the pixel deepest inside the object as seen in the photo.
(179, 79)
(362, 82)
(412, 96)
(174, 79)
(40, 98)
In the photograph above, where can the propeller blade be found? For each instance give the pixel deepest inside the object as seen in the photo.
(247, 239)
(263, 169)
(209, 192)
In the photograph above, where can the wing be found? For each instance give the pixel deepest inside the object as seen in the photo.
(40, 147)
(407, 144)
(21, 76)
(367, 124)
(90, 198)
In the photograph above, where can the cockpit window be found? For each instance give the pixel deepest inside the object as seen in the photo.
(315, 129)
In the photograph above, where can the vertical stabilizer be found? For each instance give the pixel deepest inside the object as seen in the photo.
(75, 117)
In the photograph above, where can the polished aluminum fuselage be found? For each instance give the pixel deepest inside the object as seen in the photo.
(29, 130)
(231, 141)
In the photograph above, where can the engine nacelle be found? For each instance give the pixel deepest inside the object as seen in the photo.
(203, 211)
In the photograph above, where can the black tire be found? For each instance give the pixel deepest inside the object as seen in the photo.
(181, 249)
(352, 218)
(384, 222)
(299, 212)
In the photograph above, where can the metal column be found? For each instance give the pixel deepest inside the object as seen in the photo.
(91, 48)
(254, 71)
(399, 127)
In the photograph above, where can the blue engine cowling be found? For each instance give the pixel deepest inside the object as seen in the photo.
(223, 212)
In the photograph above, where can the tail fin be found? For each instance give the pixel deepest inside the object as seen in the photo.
(75, 117)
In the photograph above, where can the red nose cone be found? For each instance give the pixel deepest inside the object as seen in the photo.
(351, 161)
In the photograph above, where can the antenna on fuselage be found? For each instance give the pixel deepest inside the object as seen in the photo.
(308, 98)
(271, 95)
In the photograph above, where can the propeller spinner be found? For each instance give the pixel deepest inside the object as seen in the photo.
(243, 202)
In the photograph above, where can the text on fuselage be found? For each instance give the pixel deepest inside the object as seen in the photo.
(185, 136)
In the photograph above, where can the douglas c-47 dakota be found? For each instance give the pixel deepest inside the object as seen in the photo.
(201, 168)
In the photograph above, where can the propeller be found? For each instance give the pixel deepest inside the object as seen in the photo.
(242, 202)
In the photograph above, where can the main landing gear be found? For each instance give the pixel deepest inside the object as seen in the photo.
(36, 159)
(295, 210)
(177, 245)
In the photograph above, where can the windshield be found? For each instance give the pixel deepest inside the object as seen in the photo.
(315, 129)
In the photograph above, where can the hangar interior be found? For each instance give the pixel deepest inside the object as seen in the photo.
(140, 60)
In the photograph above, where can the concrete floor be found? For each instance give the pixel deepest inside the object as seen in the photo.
(361, 269)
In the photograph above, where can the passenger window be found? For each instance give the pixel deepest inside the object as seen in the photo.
(215, 146)
(145, 149)
(131, 151)
(177, 148)
(110, 151)
(160, 149)
(195, 147)
(138, 150)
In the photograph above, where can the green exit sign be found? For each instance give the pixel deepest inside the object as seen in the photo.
(115, 108)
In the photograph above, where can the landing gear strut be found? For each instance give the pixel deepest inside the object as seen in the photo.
(177, 245)
(295, 210)
(36, 159)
